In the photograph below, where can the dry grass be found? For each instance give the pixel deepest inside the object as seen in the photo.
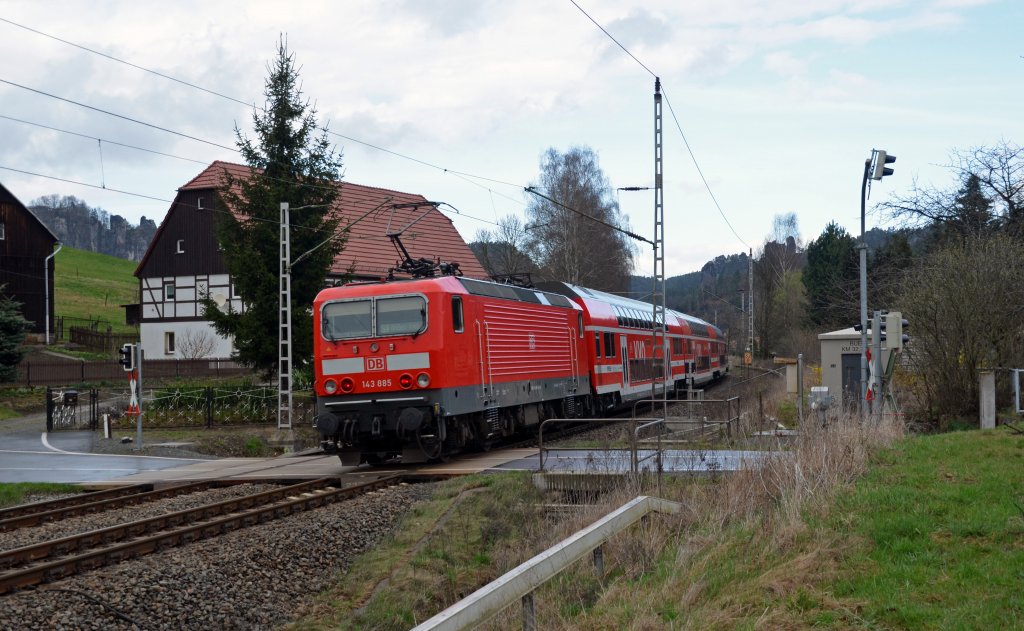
(741, 546)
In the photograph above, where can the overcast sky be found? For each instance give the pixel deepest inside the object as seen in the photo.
(780, 100)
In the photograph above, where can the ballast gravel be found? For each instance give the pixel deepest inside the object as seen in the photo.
(254, 578)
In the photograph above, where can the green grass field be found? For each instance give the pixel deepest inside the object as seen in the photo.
(939, 526)
(90, 285)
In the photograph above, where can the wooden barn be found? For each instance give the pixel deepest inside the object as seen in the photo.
(25, 271)
(183, 260)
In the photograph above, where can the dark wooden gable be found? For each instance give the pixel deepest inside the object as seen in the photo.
(185, 244)
(23, 250)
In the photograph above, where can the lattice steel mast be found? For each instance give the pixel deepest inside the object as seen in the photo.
(661, 369)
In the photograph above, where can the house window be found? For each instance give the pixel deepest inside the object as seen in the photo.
(199, 203)
(234, 291)
(3, 231)
(169, 292)
(169, 343)
(181, 246)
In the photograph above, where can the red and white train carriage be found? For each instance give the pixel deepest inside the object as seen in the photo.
(428, 367)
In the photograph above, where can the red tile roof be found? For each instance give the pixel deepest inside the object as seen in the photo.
(368, 249)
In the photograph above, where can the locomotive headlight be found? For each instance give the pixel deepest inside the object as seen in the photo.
(347, 385)
(330, 386)
(423, 380)
(405, 381)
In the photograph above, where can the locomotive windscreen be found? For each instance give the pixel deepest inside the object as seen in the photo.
(399, 315)
(404, 315)
(351, 318)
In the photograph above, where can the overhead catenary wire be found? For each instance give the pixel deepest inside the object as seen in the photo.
(462, 174)
(116, 115)
(106, 140)
(194, 206)
(679, 127)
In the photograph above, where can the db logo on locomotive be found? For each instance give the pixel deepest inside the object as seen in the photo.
(375, 363)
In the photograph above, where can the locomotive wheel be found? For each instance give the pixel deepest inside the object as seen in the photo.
(431, 447)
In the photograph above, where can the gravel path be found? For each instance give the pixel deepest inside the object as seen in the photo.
(85, 523)
(255, 578)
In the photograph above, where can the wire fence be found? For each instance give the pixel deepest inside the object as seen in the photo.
(185, 407)
(71, 371)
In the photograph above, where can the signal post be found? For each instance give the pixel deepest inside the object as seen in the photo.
(131, 361)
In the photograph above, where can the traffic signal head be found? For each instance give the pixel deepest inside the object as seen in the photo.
(126, 357)
(879, 170)
(896, 325)
(857, 327)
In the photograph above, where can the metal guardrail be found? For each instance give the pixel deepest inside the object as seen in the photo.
(519, 583)
(540, 433)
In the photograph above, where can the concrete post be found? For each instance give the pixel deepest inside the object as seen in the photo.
(987, 399)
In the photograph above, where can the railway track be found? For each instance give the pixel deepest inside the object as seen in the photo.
(89, 503)
(58, 558)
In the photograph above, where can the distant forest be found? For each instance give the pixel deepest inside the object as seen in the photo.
(81, 226)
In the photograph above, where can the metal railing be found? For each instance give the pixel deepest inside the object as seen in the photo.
(540, 434)
(520, 583)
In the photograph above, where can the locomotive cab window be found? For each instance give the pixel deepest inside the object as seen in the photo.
(351, 318)
(458, 322)
(405, 315)
(579, 324)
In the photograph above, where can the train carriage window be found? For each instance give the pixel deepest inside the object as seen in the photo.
(404, 315)
(609, 345)
(597, 344)
(347, 319)
(458, 322)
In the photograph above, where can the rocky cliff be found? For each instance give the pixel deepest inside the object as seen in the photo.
(78, 225)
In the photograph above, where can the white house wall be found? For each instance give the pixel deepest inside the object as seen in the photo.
(154, 335)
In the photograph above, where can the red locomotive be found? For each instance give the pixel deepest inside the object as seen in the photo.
(428, 367)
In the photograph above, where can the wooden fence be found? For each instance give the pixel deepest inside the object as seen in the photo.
(65, 372)
(99, 341)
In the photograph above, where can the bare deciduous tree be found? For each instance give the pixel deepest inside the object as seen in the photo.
(965, 305)
(503, 250)
(994, 174)
(564, 238)
(196, 344)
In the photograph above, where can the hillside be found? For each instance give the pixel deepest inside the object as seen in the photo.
(94, 286)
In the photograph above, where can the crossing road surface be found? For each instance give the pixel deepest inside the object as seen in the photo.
(28, 456)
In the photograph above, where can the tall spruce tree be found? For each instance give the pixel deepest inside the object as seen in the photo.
(291, 161)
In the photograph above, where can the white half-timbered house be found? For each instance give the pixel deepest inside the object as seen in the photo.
(183, 260)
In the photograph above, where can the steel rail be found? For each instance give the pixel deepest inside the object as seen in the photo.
(34, 519)
(282, 506)
(81, 542)
(82, 498)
